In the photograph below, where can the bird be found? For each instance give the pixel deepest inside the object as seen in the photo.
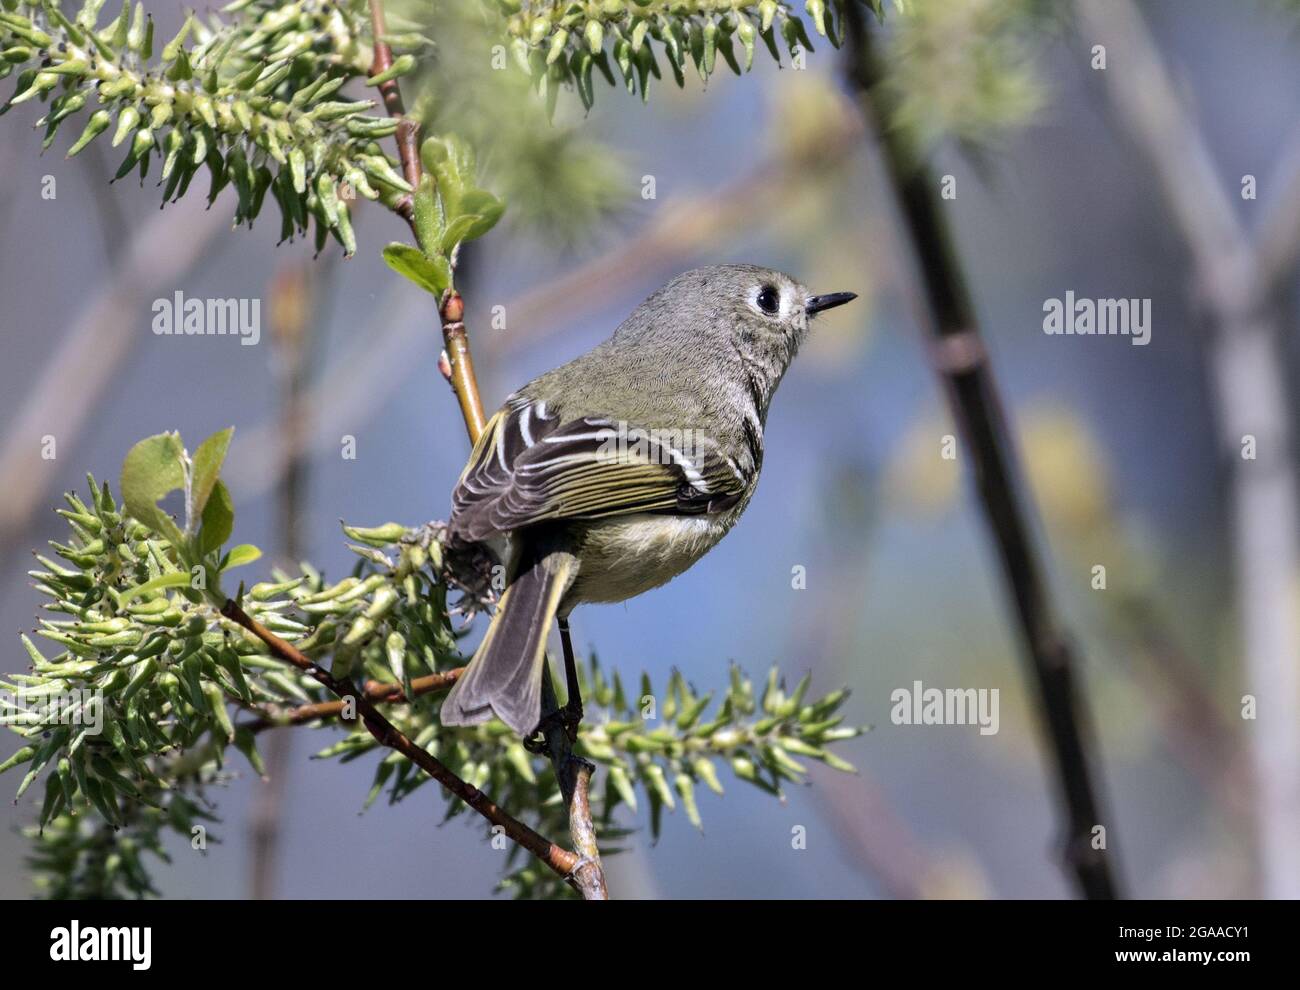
(614, 473)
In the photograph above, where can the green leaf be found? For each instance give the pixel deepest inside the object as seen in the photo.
(246, 743)
(152, 469)
(456, 232)
(430, 221)
(431, 274)
(177, 579)
(206, 466)
(486, 207)
(238, 556)
(20, 757)
(218, 519)
(451, 161)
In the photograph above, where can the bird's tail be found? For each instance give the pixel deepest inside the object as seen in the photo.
(505, 677)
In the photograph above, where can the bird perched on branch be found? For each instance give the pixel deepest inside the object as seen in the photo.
(615, 472)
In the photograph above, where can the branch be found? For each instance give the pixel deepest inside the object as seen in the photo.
(962, 362)
(585, 874)
(408, 131)
(460, 365)
(375, 691)
(574, 776)
(452, 309)
(1246, 361)
(560, 860)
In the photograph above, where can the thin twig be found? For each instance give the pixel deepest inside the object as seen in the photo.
(560, 860)
(408, 131)
(590, 874)
(376, 691)
(962, 363)
(574, 776)
(583, 873)
(461, 365)
(346, 392)
(451, 310)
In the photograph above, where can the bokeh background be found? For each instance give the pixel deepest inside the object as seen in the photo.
(1122, 447)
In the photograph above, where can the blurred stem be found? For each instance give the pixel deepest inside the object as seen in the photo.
(91, 353)
(959, 356)
(1237, 280)
(292, 310)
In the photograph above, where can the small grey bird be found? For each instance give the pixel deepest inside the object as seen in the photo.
(614, 473)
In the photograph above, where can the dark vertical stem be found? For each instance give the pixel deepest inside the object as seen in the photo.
(962, 362)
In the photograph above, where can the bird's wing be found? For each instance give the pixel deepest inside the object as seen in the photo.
(529, 466)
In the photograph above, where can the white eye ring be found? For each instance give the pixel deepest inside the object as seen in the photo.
(770, 301)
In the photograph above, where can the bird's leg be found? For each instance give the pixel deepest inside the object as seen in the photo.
(570, 715)
(573, 703)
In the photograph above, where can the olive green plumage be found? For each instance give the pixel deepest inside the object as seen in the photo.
(615, 472)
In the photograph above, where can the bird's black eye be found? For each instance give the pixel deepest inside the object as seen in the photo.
(768, 300)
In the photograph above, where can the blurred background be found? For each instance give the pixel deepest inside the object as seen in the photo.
(1126, 448)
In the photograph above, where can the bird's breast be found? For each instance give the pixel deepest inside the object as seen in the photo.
(626, 555)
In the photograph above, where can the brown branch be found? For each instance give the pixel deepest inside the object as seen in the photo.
(376, 691)
(460, 373)
(452, 309)
(589, 873)
(408, 131)
(689, 226)
(560, 860)
(584, 874)
(574, 776)
(962, 363)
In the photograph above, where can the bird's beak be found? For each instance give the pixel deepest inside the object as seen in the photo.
(816, 304)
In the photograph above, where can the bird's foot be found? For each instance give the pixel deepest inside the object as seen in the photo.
(569, 718)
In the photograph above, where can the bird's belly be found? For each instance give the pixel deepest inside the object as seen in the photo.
(625, 556)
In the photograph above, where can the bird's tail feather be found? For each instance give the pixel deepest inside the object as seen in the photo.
(505, 677)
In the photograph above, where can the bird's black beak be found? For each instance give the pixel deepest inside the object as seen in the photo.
(816, 304)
